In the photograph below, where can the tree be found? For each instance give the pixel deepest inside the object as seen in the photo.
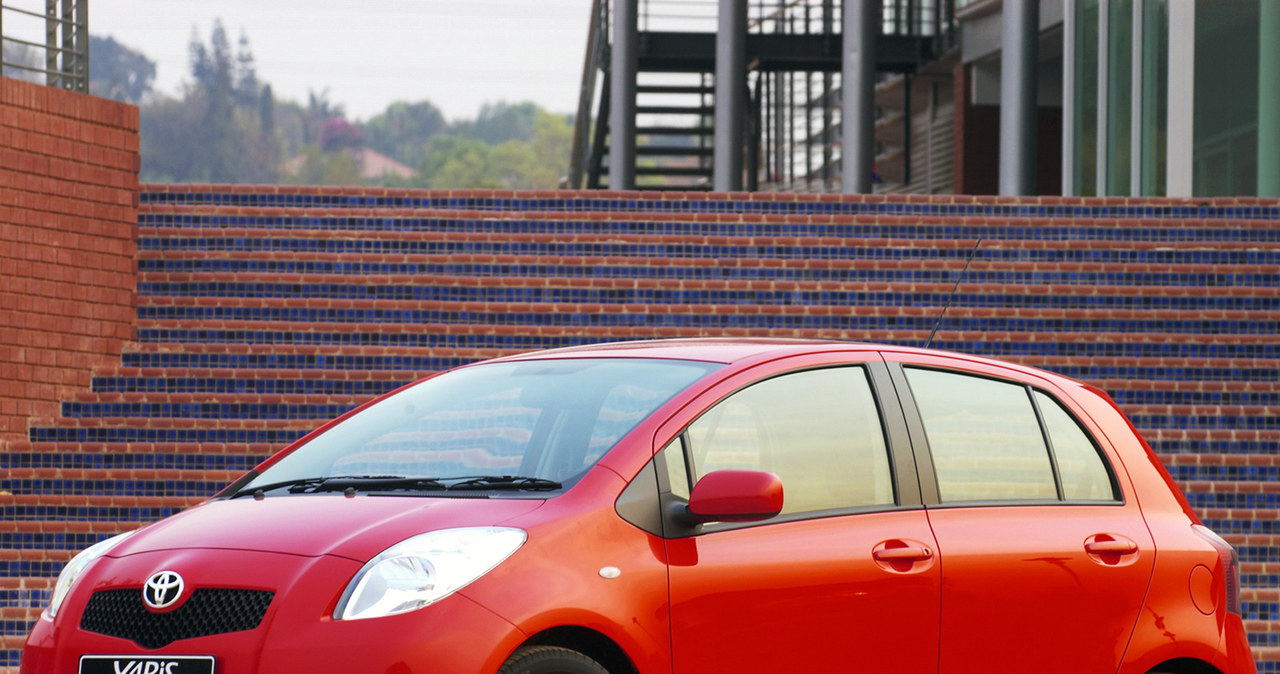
(209, 135)
(317, 167)
(118, 72)
(403, 129)
(245, 82)
(500, 122)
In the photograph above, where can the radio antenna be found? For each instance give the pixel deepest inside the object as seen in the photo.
(952, 296)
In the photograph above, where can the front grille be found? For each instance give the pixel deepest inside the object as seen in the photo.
(121, 613)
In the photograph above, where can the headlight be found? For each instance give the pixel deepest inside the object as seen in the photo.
(424, 569)
(72, 570)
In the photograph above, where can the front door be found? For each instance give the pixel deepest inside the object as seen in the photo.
(845, 579)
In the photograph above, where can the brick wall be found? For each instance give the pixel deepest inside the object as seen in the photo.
(68, 243)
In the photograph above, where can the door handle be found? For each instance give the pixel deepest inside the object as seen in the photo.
(1121, 547)
(909, 553)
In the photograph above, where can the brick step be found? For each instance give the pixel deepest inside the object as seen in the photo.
(274, 432)
(1259, 521)
(170, 265)
(1234, 495)
(1180, 351)
(710, 225)
(1197, 417)
(139, 456)
(43, 563)
(230, 406)
(142, 482)
(1263, 325)
(1213, 441)
(157, 197)
(552, 246)
(206, 406)
(1264, 638)
(122, 507)
(94, 451)
(54, 535)
(278, 432)
(1262, 471)
(11, 641)
(179, 380)
(628, 291)
(321, 362)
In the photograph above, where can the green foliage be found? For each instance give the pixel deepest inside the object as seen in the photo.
(118, 72)
(500, 122)
(535, 162)
(227, 126)
(217, 132)
(403, 129)
(317, 167)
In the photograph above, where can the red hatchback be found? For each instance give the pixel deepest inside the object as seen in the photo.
(678, 506)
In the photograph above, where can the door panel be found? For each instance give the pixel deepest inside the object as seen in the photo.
(1040, 588)
(816, 595)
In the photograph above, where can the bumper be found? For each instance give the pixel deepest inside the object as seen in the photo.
(297, 634)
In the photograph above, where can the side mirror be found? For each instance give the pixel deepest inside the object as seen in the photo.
(736, 496)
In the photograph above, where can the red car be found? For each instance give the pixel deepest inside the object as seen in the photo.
(679, 506)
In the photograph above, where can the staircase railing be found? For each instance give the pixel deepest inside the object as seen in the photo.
(65, 27)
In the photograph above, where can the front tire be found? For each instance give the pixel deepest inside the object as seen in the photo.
(550, 660)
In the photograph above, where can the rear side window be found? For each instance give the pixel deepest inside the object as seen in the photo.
(818, 430)
(998, 441)
(1084, 476)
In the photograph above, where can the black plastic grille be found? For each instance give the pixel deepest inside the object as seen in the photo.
(121, 613)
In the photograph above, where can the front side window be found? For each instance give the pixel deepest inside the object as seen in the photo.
(818, 430)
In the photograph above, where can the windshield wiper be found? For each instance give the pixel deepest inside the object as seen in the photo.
(513, 482)
(386, 483)
(365, 483)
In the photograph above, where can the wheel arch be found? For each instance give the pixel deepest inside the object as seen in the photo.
(588, 642)
(1184, 666)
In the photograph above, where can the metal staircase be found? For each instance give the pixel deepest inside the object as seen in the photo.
(792, 110)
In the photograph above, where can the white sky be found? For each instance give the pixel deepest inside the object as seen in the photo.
(458, 54)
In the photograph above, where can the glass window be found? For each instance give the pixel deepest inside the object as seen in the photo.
(541, 418)
(984, 437)
(818, 430)
(1080, 466)
(1225, 149)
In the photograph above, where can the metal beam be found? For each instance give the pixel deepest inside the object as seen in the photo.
(778, 52)
(861, 31)
(1019, 66)
(622, 108)
(731, 95)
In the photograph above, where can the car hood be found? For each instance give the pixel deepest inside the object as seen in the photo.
(356, 528)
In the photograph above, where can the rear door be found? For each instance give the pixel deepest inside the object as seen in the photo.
(1045, 562)
(845, 578)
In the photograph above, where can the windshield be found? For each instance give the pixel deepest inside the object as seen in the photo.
(547, 420)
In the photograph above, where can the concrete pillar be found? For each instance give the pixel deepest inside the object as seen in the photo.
(861, 28)
(731, 96)
(1018, 95)
(1269, 100)
(625, 59)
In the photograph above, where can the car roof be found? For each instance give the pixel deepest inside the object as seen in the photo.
(729, 350)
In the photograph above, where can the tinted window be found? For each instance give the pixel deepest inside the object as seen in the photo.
(818, 430)
(1084, 475)
(546, 418)
(984, 437)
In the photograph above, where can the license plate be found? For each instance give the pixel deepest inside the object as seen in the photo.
(131, 664)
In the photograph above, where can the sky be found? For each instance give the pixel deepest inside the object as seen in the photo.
(367, 54)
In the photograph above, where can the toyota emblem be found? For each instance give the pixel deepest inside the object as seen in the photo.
(162, 590)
